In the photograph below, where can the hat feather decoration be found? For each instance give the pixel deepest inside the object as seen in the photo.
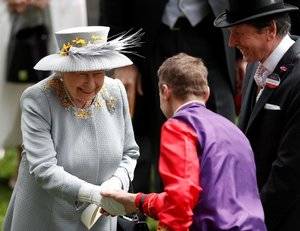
(119, 44)
(87, 49)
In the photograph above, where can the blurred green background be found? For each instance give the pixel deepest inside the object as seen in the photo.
(8, 166)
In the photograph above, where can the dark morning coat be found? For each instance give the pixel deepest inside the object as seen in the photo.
(275, 139)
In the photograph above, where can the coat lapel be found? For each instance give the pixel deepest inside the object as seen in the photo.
(267, 92)
(248, 94)
(282, 69)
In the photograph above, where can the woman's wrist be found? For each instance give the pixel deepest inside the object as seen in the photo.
(90, 193)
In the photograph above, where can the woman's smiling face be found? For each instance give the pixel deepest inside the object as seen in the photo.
(83, 86)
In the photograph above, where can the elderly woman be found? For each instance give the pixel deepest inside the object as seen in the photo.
(77, 135)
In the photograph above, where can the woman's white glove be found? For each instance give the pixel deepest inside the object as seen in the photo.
(110, 205)
(91, 193)
(113, 183)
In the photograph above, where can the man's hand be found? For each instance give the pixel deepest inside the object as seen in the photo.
(131, 78)
(126, 199)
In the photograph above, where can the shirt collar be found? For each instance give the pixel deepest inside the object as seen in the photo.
(187, 103)
(271, 62)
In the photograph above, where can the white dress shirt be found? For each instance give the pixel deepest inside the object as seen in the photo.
(193, 10)
(271, 62)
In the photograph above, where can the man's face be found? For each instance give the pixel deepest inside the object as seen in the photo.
(253, 43)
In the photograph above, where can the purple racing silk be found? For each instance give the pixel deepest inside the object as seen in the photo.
(230, 198)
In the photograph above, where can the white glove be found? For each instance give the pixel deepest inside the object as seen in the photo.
(91, 193)
(112, 207)
(114, 183)
(109, 205)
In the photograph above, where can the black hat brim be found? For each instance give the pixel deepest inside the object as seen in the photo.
(222, 20)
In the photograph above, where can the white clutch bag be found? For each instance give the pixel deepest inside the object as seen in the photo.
(90, 215)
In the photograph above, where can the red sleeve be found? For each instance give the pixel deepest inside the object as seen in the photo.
(180, 172)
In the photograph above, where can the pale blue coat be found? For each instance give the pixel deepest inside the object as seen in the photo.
(61, 152)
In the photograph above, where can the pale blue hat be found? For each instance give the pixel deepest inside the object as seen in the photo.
(87, 49)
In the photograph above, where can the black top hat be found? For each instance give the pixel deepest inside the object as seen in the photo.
(241, 11)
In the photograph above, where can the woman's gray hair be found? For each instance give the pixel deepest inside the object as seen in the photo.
(58, 74)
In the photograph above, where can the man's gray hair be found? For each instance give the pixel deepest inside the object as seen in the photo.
(282, 21)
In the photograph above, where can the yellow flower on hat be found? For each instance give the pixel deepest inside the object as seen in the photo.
(65, 49)
(75, 42)
(96, 38)
(79, 42)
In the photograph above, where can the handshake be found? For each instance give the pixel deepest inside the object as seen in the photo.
(107, 199)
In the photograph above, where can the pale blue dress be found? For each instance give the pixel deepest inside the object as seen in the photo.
(63, 151)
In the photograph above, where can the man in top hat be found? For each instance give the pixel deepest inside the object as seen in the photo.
(270, 114)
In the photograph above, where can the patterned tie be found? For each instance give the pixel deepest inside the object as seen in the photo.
(260, 76)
